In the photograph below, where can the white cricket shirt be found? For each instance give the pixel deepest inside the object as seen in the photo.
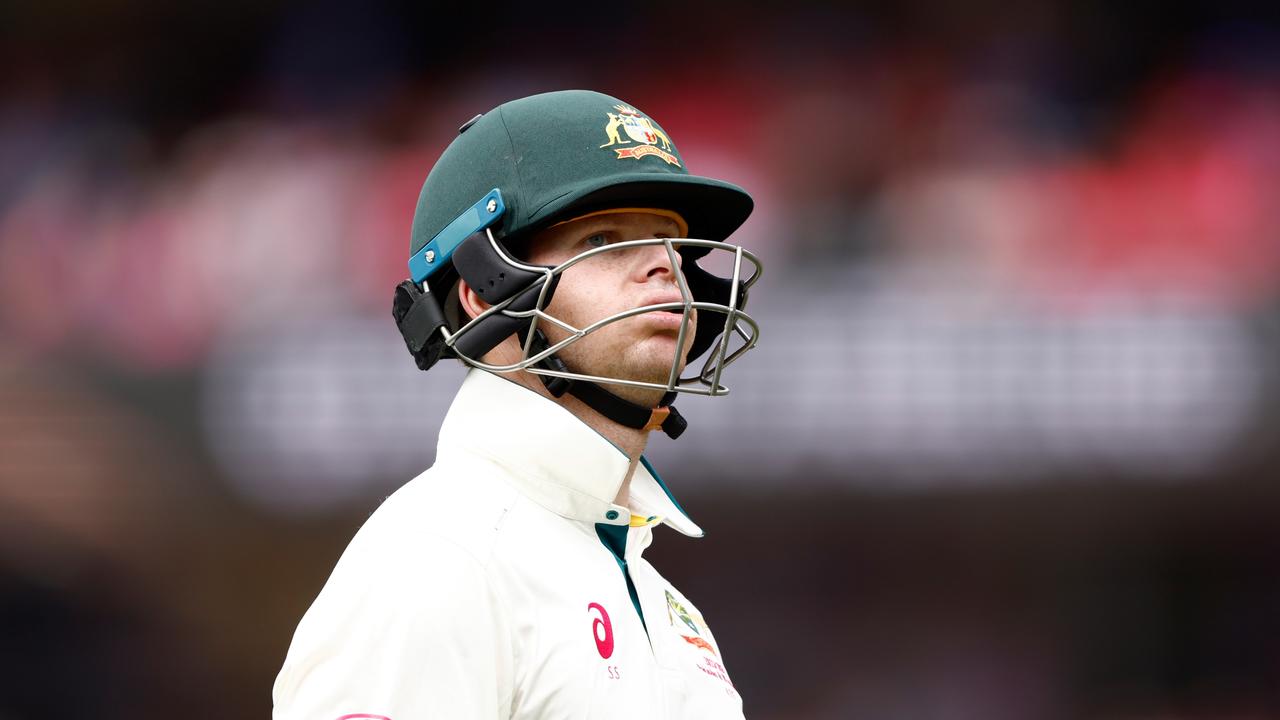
(504, 583)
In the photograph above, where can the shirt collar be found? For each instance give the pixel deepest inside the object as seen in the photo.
(553, 457)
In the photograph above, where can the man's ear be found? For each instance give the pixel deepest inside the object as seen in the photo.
(469, 300)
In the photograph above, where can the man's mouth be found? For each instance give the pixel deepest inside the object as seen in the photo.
(666, 300)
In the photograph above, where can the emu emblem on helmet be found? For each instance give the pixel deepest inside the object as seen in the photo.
(638, 129)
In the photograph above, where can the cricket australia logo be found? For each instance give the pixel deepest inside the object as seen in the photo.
(627, 126)
(691, 620)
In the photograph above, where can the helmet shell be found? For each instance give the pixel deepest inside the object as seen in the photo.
(561, 154)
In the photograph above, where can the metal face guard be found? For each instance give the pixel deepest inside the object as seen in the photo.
(523, 310)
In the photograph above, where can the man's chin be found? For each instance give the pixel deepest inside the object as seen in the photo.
(651, 359)
(647, 372)
(647, 359)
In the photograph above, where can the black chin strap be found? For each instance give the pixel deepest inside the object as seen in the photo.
(664, 417)
(624, 412)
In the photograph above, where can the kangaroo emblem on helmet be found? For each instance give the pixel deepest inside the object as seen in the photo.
(611, 130)
(637, 127)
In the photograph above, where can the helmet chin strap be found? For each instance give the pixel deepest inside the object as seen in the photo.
(665, 417)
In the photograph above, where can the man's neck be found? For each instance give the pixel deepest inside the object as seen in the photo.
(631, 441)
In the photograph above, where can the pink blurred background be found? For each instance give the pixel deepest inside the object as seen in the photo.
(1007, 449)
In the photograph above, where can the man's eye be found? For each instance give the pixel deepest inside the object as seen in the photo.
(598, 240)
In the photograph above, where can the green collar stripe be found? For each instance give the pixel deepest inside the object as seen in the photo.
(645, 461)
(614, 537)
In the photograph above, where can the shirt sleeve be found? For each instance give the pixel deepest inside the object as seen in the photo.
(400, 639)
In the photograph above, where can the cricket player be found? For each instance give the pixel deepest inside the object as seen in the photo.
(555, 251)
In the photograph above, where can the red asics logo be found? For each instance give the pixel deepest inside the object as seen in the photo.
(602, 631)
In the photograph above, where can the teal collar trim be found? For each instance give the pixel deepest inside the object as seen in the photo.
(667, 491)
(614, 538)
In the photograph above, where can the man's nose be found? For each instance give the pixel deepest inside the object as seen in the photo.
(657, 259)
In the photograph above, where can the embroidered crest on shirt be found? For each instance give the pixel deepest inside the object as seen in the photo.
(691, 620)
(676, 610)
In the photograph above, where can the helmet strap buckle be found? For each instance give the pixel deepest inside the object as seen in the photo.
(658, 418)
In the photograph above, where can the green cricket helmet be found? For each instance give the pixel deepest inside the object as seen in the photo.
(529, 164)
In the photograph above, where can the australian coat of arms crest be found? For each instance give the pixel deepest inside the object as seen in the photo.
(628, 126)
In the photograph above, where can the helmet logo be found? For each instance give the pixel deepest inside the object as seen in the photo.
(640, 129)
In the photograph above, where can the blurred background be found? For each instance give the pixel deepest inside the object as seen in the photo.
(1007, 449)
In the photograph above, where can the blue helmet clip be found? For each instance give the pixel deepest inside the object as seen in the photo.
(435, 254)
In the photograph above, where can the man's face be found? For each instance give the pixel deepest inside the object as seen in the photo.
(641, 347)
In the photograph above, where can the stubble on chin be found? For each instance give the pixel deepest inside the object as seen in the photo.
(625, 357)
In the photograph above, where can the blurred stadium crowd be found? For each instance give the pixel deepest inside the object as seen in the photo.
(1012, 421)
